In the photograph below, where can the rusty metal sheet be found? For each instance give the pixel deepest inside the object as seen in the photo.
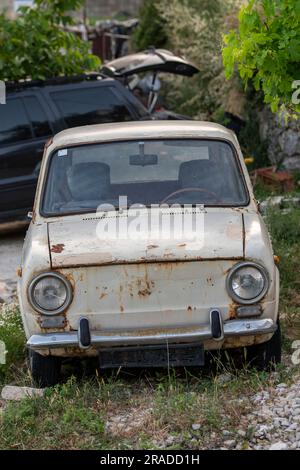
(149, 295)
(76, 242)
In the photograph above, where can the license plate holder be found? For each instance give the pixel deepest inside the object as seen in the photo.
(162, 355)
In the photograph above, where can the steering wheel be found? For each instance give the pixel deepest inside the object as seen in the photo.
(184, 190)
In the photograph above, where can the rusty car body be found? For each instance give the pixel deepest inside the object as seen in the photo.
(84, 294)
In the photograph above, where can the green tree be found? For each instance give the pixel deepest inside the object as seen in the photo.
(151, 30)
(266, 50)
(35, 46)
(194, 29)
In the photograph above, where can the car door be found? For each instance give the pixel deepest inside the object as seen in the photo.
(24, 129)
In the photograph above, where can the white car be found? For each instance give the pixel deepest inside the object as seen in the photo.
(146, 248)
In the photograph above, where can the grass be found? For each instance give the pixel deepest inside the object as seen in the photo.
(284, 227)
(149, 409)
(12, 335)
(155, 410)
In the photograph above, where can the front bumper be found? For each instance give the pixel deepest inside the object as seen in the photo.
(230, 329)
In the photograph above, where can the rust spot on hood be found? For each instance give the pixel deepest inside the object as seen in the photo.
(234, 232)
(144, 292)
(58, 248)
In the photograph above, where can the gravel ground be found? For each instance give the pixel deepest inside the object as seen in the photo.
(10, 255)
(277, 418)
(273, 421)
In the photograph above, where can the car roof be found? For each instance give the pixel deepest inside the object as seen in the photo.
(141, 130)
(22, 85)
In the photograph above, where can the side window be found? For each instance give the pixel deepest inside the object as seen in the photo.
(14, 124)
(38, 117)
(95, 105)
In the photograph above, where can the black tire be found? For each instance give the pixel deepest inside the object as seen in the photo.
(265, 356)
(45, 370)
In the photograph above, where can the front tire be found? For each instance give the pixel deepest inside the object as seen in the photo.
(265, 356)
(45, 370)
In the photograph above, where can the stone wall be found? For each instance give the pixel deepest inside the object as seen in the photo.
(283, 139)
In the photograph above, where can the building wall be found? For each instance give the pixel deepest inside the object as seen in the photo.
(111, 7)
(95, 8)
(7, 5)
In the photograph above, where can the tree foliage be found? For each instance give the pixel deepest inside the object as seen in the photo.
(35, 46)
(194, 29)
(266, 50)
(151, 30)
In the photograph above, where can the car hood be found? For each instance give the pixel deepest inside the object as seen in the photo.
(80, 241)
(159, 60)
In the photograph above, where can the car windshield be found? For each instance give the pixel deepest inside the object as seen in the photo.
(150, 172)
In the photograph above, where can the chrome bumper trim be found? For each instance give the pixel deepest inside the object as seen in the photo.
(231, 328)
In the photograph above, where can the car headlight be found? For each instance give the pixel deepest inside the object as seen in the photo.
(247, 283)
(50, 293)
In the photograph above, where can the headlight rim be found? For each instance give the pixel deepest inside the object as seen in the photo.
(259, 297)
(69, 293)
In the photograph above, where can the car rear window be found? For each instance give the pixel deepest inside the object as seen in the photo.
(150, 172)
(95, 105)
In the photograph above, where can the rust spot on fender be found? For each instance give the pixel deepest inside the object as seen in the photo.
(121, 308)
(189, 309)
(59, 248)
(104, 294)
(70, 278)
(232, 311)
(151, 247)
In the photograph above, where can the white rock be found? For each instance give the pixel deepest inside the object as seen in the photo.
(224, 378)
(278, 446)
(292, 427)
(284, 422)
(282, 385)
(230, 444)
(11, 392)
(196, 426)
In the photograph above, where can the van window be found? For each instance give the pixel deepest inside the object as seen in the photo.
(14, 123)
(38, 117)
(95, 105)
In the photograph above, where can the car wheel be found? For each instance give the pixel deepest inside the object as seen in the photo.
(266, 355)
(45, 370)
